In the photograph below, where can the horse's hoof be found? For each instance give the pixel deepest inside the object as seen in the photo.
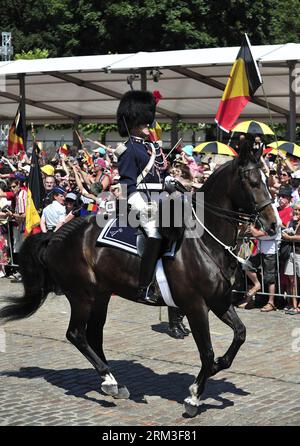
(190, 409)
(123, 393)
(110, 389)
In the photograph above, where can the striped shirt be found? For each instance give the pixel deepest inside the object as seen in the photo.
(21, 202)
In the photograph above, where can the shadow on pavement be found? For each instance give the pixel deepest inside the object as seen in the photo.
(140, 380)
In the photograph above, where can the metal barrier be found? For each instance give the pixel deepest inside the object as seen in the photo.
(279, 270)
(10, 246)
(263, 291)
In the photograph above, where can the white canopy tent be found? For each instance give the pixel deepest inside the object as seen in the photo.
(191, 82)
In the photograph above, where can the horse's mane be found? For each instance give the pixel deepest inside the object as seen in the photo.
(215, 175)
(68, 229)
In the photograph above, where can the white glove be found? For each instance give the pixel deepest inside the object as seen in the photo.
(138, 202)
(170, 184)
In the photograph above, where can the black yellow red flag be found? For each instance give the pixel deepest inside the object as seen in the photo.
(35, 193)
(16, 136)
(244, 80)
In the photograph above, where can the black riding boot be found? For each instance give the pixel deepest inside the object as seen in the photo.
(148, 263)
(176, 327)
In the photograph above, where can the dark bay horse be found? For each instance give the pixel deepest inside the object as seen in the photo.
(199, 277)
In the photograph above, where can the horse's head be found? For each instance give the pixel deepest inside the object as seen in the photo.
(254, 196)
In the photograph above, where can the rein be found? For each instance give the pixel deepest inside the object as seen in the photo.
(234, 216)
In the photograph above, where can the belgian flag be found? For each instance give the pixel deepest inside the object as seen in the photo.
(16, 136)
(35, 193)
(244, 80)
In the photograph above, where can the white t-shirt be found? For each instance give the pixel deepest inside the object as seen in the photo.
(270, 245)
(53, 214)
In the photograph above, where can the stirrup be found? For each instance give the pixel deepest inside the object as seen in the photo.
(146, 295)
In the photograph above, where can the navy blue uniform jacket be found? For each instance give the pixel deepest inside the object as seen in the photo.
(133, 161)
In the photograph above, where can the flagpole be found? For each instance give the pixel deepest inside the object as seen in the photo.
(270, 116)
(23, 107)
(173, 148)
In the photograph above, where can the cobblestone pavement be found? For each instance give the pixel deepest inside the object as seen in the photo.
(44, 380)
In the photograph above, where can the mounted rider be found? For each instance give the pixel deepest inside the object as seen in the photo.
(140, 164)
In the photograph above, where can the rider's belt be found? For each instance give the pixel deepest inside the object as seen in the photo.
(150, 186)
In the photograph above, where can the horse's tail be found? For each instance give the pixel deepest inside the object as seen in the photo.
(35, 277)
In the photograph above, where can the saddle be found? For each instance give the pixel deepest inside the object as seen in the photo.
(116, 232)
(130, 239)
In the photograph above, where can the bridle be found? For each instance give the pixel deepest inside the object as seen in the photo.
(257, 207)
(237, 216)
(233, 216)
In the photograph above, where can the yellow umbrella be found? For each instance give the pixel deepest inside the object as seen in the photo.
(254, 127)
(215, 147)
(284, 146)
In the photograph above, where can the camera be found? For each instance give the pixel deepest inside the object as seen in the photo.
(6, 208)
(289, 231)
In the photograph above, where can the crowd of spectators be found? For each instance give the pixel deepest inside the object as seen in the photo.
(80, 183)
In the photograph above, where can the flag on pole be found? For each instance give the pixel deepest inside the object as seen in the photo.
(15, 136)
(244, 80)
(88, 158)
(63, 150)
(35, 193)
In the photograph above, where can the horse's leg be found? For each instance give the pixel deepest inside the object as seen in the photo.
(199, 323)
(231, 319)
(95, 327)
(77, 335)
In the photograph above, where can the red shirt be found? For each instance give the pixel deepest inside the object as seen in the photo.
(10, 195)
(286, 215)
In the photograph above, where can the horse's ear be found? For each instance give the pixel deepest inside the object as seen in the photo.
(257, 153)
(245, 153)
(248, 153)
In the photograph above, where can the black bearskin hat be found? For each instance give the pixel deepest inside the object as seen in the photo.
(136, 108)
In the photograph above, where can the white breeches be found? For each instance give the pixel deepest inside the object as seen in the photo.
(147, 212)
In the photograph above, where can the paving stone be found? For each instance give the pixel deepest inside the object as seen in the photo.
(45, 381)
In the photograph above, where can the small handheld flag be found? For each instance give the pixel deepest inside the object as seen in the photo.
(15, 136)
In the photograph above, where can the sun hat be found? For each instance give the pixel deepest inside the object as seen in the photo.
(26, 168)
(100, 150)
(296, 174)
(286, 191)
(19, 176)
(188, 150)
(58, 190)
(71, 196)
(48, 169)
(100, 162)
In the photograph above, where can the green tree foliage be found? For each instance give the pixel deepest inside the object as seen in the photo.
(285, 22)
(37, 53)
(37, 23)
(83, 27)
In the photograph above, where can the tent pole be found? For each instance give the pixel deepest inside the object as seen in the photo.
(144, 80)
(292, 97)
(75, 127)
(23, 106)
(174, 132)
